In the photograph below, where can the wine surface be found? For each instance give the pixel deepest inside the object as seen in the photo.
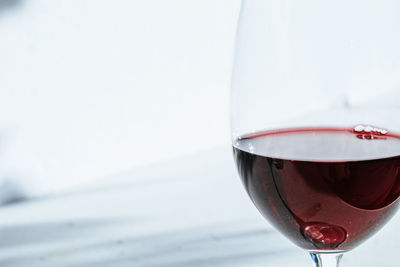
(325, 189)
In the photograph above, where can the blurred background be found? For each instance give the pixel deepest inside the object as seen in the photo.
(93, 88)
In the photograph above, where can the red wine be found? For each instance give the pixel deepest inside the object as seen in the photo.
(325, 189)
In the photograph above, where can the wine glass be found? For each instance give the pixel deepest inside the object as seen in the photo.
(314, 118)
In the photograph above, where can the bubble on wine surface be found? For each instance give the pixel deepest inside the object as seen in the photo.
(359, 128)
(368, 129)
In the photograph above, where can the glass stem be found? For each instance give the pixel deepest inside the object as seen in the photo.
(326, 259)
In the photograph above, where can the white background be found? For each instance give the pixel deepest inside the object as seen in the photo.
(93, 88)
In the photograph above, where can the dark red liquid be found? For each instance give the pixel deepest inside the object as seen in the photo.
(325, 189)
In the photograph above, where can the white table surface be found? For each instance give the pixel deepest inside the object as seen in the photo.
(191, 211)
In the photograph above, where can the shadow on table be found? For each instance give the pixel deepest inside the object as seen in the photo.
(206, 246)
(189, 248)
(36, 234)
